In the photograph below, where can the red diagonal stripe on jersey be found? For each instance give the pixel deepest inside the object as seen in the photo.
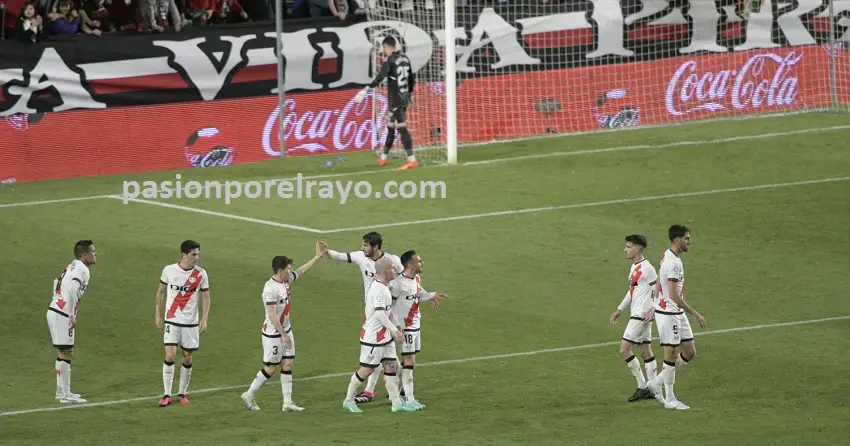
(414, 310)
(181, 299)
(61, 304)
(381, 334)
(634, 279)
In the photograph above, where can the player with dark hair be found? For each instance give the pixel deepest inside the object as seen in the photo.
(278, 339)
(400, 82)
(68, 290)
(371, 251)
(407, 295)
(674, 328)
(640, 299)
(182, 282)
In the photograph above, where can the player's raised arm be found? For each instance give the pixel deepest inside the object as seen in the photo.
(321, 250)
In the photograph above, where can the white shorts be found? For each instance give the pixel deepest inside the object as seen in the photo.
(188, 338)
(373, 356)
(275, 351)
(60, 330)
(412, 343)
(638, 331)
(673, 329)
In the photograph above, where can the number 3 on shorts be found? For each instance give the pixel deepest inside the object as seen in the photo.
(274, 350)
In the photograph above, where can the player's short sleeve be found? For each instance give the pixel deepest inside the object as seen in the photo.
(381, 298)
(674, 272)
(651, 275)
(356, 257)
(269, 295)
(205, 281)
(163, 278)
(293, 276)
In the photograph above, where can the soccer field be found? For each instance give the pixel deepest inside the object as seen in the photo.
(529, 245)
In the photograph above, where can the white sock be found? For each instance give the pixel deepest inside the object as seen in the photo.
(398, 366)
(63, 378)
(353, 384)
(680, 361)
(286, 386)
(383, 156)
(373, 380)
(391, 381)
(651, 369)
(634, 366)
(258, 381)
(411, 158)
(407, 382)
(668, 375)
(185, 377)
(167, 377)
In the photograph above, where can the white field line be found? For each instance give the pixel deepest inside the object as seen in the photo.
(220, 214)
(661, 146)
(424, 364)
(590, 204)
(59, 200)
(516, 158)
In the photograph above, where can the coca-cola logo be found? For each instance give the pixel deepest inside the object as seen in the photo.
(220, 156)
(764, 81)
(348, 128)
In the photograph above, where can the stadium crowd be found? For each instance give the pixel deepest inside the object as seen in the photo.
(37, 20)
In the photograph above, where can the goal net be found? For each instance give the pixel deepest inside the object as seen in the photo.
(533, 68)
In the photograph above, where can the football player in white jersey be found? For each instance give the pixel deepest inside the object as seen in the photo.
(674, 328)
(278, 338)
(370, 252)
(639, 299)
(182, 282)
(407, 295)
(377, 338)
(62, 313)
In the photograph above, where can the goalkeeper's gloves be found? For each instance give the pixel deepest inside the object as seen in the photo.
(361, 95)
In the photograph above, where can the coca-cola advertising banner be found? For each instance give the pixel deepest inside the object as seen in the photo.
(238, 61)
(222, 132)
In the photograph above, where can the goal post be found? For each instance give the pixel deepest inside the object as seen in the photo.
(504, 70)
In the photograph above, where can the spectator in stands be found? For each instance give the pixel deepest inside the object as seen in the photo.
(230, 11)
(319, 8)
(200, 11)
(65, 20)
(29, 24)
(94, 14)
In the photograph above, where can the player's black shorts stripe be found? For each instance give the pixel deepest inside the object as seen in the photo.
(371, 366)
(181, 325)
(288, 357)
(635, 318)
(376, 345)
(171, 344)
(687, 340)
(633, 342)
(669, 313)
(57, 311)
(411, 330)
(669, 345)
(64, 346)
(409, 353)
